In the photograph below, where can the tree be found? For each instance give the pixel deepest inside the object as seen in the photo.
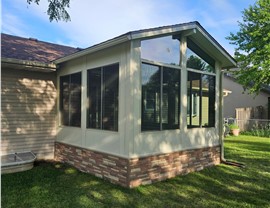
(253, 47)
(195, 63)
(56, 9)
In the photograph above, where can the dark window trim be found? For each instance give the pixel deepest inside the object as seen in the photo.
(200, 103)
(201, 53)
(69, 98)
(161, 67)
(101, 97)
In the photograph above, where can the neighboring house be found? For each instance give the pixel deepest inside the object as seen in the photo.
(28, 95)
(139, 108)
(240, 99)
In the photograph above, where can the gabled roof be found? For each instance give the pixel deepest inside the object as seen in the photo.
(197, 34)
(29, 49)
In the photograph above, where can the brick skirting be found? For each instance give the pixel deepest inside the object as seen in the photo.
(139, 171)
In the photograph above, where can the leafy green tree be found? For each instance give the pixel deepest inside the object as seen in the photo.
(253, 47)
(56, 9)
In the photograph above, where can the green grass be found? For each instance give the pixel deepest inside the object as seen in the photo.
(58, 185)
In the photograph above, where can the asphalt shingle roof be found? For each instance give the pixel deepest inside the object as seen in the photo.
(32, 49)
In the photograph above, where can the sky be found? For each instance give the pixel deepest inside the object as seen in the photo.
(93, 22)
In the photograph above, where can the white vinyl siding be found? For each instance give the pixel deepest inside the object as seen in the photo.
(28, 112)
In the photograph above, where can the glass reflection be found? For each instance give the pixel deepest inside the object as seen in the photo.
(208, 100)
(201, 100)
(198, 59)
(165, 50)
(150, 97)
(170, 98)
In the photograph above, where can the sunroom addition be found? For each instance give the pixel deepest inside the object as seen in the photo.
(144, 106)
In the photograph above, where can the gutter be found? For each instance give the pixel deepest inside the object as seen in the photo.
(221, 126)
(27, 65)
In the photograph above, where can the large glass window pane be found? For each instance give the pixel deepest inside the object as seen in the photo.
(64, 100)
(75, 100)
(164, 49)
(194, 95)
(94, 98)
(110, 97)
(160, 97)
(70, 99)
(201, 100)
(170, 98)
(150, 97)
(208, 100)
(198, 59)
(103, 87)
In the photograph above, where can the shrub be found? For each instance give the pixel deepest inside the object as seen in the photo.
(260, 131)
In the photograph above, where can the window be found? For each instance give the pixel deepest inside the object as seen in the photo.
(164, 50)
(201, 100)
(70, 100)
(200, 87)
(160, 97)
(103, 87)
(198, 59)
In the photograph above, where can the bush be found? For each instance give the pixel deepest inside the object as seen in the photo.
(260, 131)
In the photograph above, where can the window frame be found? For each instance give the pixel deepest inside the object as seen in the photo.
(194, 48)
(168, 49)
(161, 67)
(69, 76)
(102, 94)
(190, 114)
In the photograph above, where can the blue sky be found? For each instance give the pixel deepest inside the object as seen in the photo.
(95, 21)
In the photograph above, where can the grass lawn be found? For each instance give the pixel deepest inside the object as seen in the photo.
(58, 185)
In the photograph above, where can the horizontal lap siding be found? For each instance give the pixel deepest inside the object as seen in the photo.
(28, 112)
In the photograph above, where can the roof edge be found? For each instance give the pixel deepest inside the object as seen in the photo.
(109, 43)
(217, 45)
(156, 31)
(162, 30)
(28, 65)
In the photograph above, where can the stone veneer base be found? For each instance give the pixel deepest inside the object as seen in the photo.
(139, 171)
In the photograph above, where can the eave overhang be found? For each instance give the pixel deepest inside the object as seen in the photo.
(27, 65)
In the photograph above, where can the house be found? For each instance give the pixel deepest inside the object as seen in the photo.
(249, 111)
(142, 107)
(238, 99)
(28, 95)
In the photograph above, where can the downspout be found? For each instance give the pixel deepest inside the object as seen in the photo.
(221, 126)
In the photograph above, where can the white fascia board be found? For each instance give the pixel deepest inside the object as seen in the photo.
(95, 48)
(220, 50)
(160, 31)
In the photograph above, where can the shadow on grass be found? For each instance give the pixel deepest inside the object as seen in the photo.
(252, 145)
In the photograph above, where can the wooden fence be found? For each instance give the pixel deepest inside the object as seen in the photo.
(252, 117)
